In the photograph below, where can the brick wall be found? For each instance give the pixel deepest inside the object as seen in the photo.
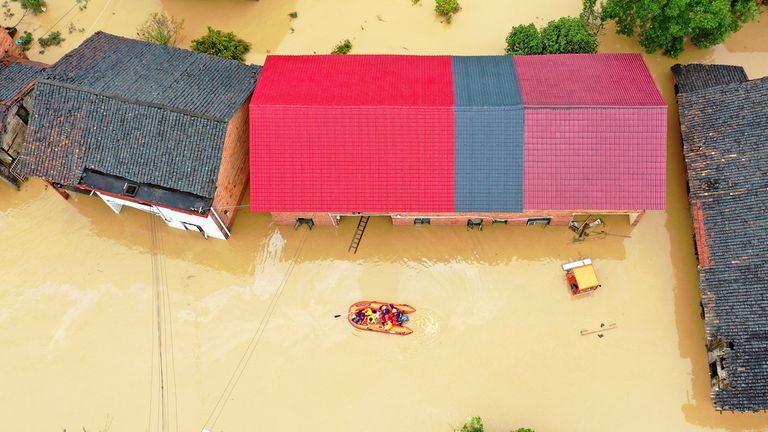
(8, 47)
(233, 172)
(559, 217)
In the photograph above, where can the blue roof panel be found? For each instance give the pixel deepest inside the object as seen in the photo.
(485, 81)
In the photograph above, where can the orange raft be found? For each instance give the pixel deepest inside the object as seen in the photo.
(379, 327)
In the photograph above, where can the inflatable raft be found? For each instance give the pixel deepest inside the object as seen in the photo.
(379, 327)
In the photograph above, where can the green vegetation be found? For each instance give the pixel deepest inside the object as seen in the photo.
(53, 39)
(36, 6)
(447, 8)
(293, 14)
(563, 36)
(26, 41)
(568, 35)
(220, 44)
(160, 28)
(343, 47)
(473, 424)
(666, 25)
(524, 39)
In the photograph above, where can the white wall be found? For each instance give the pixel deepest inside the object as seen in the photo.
(173, 218)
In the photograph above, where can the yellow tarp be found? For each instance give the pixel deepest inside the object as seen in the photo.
(585, 277)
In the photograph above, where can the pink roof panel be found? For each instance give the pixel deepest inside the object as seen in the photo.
(595, 159)
(586, 80)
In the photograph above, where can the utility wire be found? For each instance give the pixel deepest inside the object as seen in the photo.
(210, 423)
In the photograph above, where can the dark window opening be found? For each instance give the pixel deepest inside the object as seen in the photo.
(545, 221)
(304, 221)
(130, 189)
(713, 369)
(226, 212)
(23, 114)
(422, 221)
(472, 223)
(500, 221)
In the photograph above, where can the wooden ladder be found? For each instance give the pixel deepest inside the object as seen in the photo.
(358, 234)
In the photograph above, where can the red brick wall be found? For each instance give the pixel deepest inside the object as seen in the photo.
(700, 234)
(559, 217)
(8, 47)
(233, 171)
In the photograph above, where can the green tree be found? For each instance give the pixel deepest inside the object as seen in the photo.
(160, 28)
(524, 39)
(343, 47)
(473, 424)
(220, 44)
(447, 8)
(568, 35)
(35, 6)
(666, 25)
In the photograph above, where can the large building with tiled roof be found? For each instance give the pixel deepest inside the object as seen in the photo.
(448, 140)
(724, 125)
(148, 126)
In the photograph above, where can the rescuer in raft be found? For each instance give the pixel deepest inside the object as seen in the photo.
(387, 315)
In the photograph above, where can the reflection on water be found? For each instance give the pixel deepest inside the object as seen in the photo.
(496, 332)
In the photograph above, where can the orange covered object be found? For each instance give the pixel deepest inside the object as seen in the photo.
(378, 326)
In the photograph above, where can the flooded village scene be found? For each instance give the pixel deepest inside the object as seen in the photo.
(383, 215)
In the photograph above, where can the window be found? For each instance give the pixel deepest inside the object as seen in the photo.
(539, 221)
(476, 222)
(304, 221)
(422, 221)
(500, 221)
(130, 189)
(23, 114)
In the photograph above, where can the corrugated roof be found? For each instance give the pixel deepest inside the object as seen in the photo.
(355, 80)
(725, 131)
(592, 159)
(693, 77)
(145, 112)
(485, 81)
(586, 80)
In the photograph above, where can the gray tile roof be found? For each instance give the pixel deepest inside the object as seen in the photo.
(15, 76)
(149, 113)
(488, 110)
(693, 77)
(725, 133)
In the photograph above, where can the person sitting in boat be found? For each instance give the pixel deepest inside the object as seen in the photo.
(359, 317)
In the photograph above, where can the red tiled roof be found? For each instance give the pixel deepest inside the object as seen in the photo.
(355, 80)
(592, 159)
(586, 80)
(353, 134)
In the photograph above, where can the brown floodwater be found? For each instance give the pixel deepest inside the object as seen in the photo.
(496, 332)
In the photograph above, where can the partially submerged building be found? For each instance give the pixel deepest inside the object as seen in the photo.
(147, 126)
(724, 126)
(457, 140)
(17, 78)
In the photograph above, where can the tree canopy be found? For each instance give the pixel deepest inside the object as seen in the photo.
(568, 35)
(524, 39)
(220, 44)
(666, 24)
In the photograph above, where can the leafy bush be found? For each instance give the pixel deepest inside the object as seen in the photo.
(666, 25)
(568, 35)
(343, 47)
(524, 39)
(524, 430)
(220, 44)
(26, 41)
(447, 8)
(160, 28)
(473, 424)
(36, 6)
(53, 39)
(293, 14)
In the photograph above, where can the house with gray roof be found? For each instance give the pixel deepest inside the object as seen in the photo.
(724, 126)
(152, 127)
(17, 78)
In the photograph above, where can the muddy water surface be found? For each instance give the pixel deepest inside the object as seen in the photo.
(496, 333)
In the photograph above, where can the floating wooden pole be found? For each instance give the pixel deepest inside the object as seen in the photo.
(609, 326)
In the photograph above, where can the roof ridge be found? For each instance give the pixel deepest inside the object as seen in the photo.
(133, 101)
